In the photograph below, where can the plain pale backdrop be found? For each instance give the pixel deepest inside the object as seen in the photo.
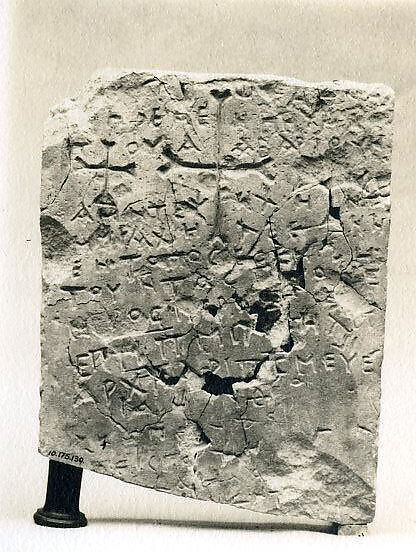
(55, 46)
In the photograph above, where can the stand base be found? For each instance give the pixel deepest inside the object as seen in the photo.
(61, 507)
(59, 520)
(352, 530)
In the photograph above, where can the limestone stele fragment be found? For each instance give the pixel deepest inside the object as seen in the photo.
(214, 285)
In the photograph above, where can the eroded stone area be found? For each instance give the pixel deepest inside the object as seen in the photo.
(214, 267)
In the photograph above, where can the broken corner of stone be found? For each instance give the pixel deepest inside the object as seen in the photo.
(214, 287)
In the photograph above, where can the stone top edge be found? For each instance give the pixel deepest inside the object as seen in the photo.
(106, 76)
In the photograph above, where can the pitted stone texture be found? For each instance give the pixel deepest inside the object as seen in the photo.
(214, 266)
(352, 530)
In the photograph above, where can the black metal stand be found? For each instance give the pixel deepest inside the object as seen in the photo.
(62, 498)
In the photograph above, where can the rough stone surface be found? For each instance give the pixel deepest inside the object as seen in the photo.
(352, 530)
(214, 281)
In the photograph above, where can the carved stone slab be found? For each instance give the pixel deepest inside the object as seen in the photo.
(214, 282)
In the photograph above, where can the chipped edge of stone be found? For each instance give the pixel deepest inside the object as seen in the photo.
(353, 530)
(340, 526)
(103, 78)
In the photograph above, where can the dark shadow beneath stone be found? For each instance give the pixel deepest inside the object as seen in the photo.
(319, 527)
